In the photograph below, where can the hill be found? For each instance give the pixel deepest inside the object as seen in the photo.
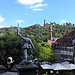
(40, 33)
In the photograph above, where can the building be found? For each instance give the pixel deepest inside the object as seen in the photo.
(34, 26)
(46, 24)
(65, 47)
(51, 40)
(11, 26)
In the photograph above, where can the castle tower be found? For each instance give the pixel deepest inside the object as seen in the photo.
(44, 22)
(50, 31)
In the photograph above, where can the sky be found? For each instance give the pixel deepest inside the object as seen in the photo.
(30, 12)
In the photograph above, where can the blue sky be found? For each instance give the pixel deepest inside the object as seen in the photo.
(30, 12)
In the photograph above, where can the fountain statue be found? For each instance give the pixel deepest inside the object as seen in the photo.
(27, 44)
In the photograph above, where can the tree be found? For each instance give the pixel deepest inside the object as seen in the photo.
(10, 46)
(70, 24)
(46, 53)
(67, 24)
(36, 52)
(73, 24)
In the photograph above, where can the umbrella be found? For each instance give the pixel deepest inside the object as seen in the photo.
(66, 62)
(56, 64)
(70, 66)
(46, 66)
(59, 67)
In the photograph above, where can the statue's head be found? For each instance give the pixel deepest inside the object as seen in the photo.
(27, 35)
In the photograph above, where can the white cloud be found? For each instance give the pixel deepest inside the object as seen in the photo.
(33, 4)
(1, 19)
(63, 21)
(28, 2)
(4, 26)
(19, 21)
(38, 5)
(37, 9)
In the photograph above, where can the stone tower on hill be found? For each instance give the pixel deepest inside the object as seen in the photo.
(46, 24)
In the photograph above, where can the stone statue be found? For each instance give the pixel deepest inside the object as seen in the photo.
(26, 46)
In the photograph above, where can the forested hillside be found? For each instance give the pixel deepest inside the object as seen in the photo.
(40, 33)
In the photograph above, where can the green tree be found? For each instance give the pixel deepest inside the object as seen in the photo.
(10, 46)
(36, 51)
(46, 53)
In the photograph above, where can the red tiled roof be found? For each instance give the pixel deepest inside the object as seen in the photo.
(50, 41)
(56, 39)
(73, 37)
(68, 37)
(72, 32)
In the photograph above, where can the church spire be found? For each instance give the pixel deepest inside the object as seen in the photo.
(50, 31)
(50, 27)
